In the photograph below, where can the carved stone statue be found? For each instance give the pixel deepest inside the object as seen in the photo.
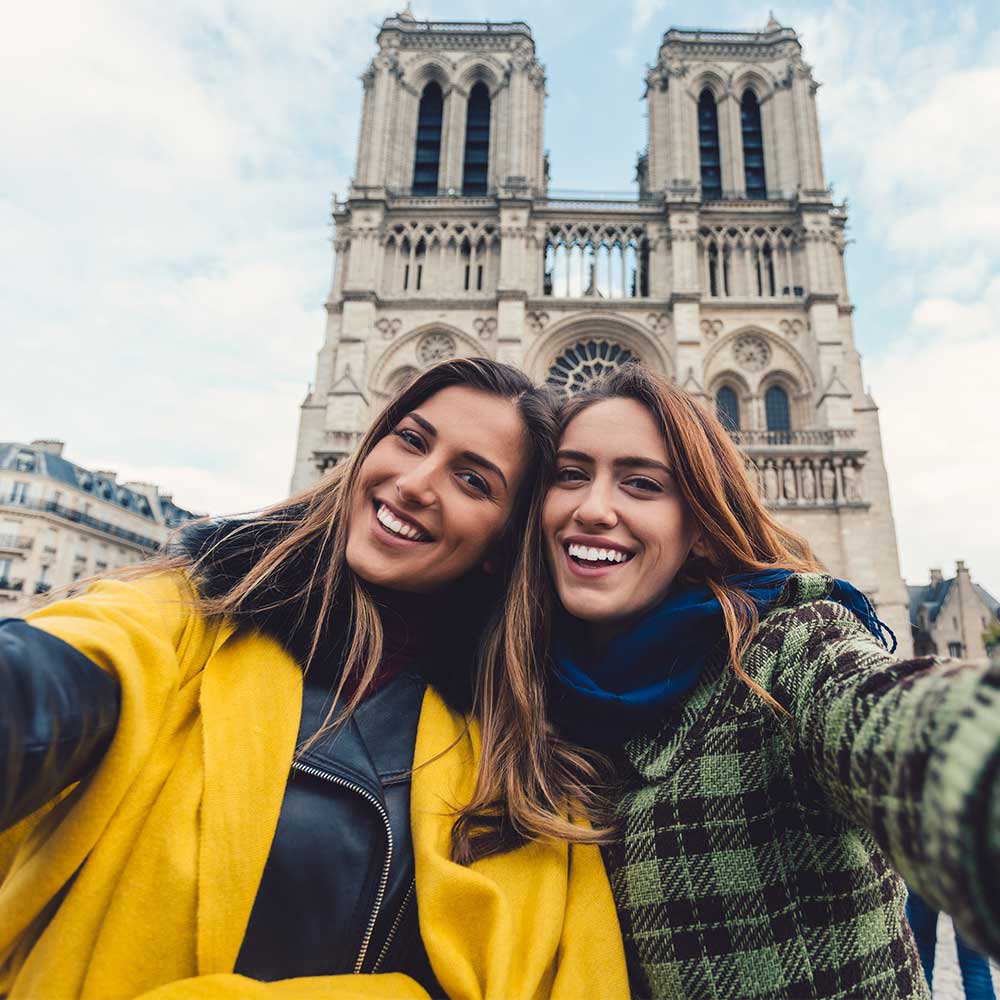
(828, 482)
(852, 482)
(788, 481)
(807, 476)
(770, 482)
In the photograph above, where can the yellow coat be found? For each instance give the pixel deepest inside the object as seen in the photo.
(168, 837)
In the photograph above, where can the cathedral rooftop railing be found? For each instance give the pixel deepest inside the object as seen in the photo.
(476, 27)
(718, 35)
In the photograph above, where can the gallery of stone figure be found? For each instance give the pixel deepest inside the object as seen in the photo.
(724, 269)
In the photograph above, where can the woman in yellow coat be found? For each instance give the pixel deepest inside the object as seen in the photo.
(263, 650)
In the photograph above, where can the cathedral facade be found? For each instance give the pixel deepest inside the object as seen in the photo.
(725, 271)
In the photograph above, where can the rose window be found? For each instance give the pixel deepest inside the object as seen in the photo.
(583, 363)
(435, 347)
(751, 352)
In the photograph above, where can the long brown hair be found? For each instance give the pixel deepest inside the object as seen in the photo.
(287, 563)
(738, 535)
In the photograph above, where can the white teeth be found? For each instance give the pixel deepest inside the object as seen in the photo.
(590, 554)
(395, 525)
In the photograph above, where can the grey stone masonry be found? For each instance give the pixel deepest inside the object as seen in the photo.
(725, 271)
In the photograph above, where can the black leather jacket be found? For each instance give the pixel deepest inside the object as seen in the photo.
(337, 893)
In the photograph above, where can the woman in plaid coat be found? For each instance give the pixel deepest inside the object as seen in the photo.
(781, 770)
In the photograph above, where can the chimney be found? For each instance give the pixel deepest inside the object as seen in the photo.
(936, 576)
(960, 567)
(49, 447)
(107, 474)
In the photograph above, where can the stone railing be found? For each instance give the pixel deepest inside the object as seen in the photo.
(821, 438)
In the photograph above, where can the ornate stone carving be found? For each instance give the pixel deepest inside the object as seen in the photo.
(770, 480)
(537, 321)
(435, 346)
(710, 329)
(486, 327)
(659, 323)
(788, 481)
(807, 476)
(827, 481)
(791, 328)
(388, 327)
(852, 482)
(751, 352)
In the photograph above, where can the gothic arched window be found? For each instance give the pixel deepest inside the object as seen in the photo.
(428, 157)
(708, 146)
(583, 363)
(727, 406)
(477, 141)
(776, 409)
(753, 146)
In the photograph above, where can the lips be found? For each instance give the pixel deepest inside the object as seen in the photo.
(397, 525)
(592, 556)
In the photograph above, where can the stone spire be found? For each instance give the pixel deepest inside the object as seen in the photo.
(772, 22)
(407, 14)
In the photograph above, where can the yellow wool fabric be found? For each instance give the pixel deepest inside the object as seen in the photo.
(167, 839)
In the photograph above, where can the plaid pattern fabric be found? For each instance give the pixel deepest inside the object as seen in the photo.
(756, 850)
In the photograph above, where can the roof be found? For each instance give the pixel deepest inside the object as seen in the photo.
(16, 457)
(933, 596)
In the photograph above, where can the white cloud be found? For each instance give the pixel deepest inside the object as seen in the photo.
(938, 407)
(163, 223)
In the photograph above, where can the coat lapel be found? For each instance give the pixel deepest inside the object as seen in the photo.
(251, 699)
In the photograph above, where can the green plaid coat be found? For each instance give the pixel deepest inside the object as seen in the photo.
(755, 860)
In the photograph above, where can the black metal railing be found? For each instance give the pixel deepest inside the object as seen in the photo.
(79, 517)
(14, 585)
(16, 542)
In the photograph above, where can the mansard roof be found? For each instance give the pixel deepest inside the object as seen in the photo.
(933, 595)
(33, 460)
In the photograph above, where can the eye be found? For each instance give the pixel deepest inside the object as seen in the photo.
(570, 474)
(643, 483)
(476, 482)
(411, 437)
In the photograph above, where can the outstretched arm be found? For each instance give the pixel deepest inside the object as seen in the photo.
(910, 750)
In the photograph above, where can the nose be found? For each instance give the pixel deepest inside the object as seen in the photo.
(416, 486)
(596, 508)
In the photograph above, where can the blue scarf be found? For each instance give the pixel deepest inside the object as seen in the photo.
(601, 700)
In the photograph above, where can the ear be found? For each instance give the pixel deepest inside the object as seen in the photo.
(699, 549)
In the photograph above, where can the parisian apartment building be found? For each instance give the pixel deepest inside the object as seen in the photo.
(723, 270)
(60, 522)
(954, 616)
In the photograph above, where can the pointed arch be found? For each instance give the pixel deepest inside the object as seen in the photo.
(727, 407)
(753, 145)
(430, 121)
(777, 412)
(475, 166)
(709, 152)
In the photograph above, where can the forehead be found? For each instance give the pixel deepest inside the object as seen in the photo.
(615, 427)
(472, 420)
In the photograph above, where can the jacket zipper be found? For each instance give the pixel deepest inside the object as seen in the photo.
(384, 880)
(395, 926)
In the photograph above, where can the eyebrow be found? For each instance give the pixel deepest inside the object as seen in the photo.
(625, 462)
(469, 456)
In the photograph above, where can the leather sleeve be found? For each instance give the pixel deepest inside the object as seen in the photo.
(58, 714)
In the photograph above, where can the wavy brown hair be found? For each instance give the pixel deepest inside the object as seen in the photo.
(284, 569)
(738, 535)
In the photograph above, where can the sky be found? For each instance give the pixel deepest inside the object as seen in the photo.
(165, 235)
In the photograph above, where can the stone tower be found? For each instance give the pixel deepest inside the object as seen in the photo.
(725, 271)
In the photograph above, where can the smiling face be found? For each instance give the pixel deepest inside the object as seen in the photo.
(616, 526)
(434, 495)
